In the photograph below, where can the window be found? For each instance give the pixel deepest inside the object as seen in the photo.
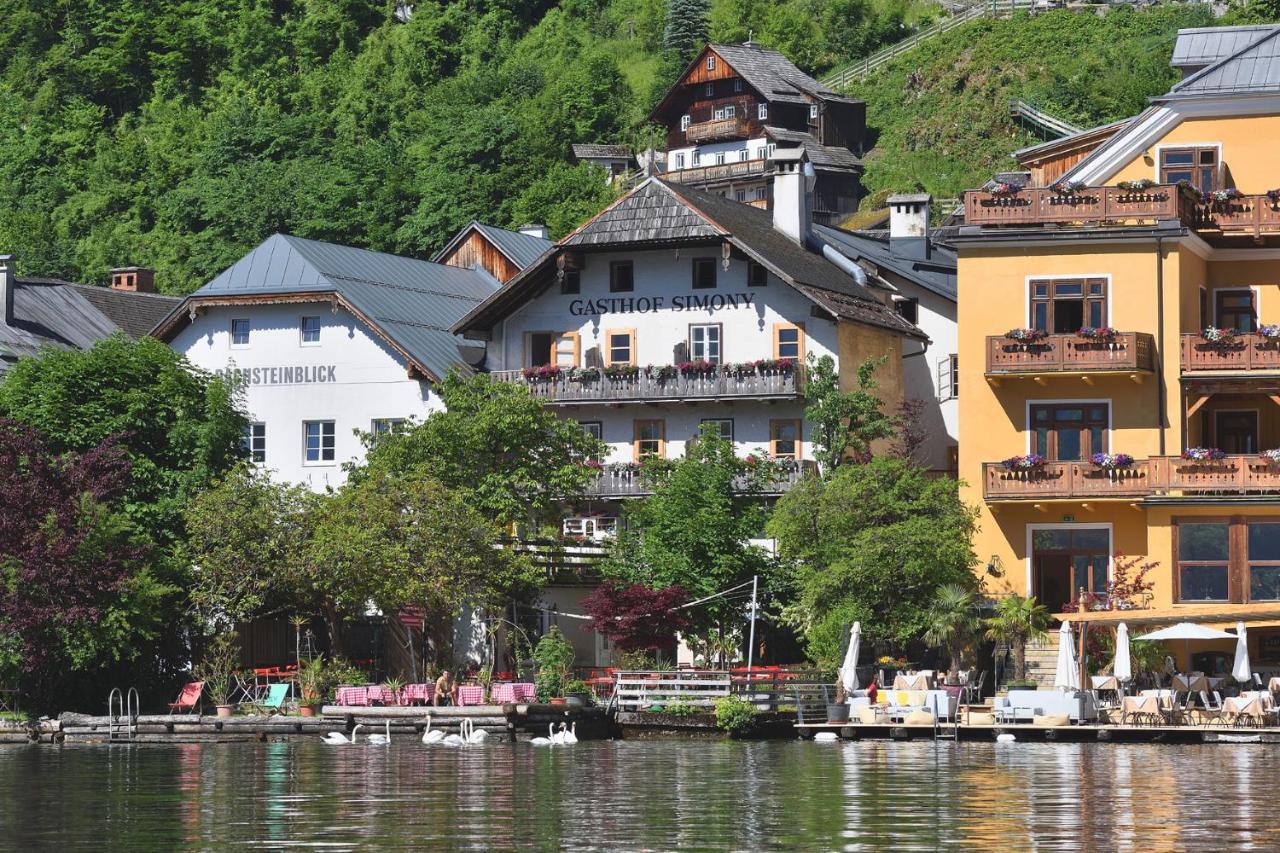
(679, 161)
(948, 378)
(571, 282)
(723, 427)
(770, 148)
(684, 122)
(697, 158)
(730, 111)
(788, 341)
(718, 115)
(318, 440)
(704, 273)
(1264, 561)
(813, 112)
(595, 429)
(908, 309)
(1069, 432)
(1061, 307)
(704, 343)
(784, 439)
(621, 277)
(711, 63)
(744, 155)
(762, 193)
(1196, 166)
(710, 90)
(757, 275)
(310, 330)
(254, 441)
(720, 156)
(649, 438)
(558, 348)
(762, 111)
(385, 426)
(1234, 308)
(740, 195)
(620, 346)
(737, 84)
(1204, 555)
(239, 333)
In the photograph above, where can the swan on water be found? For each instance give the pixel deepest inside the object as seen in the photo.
(458, 739)
(474, 736)
(546, 741)
(382, 739)
(826, 737)
(430, 737)
(570, 736)
(339, 739)
(1005, 738)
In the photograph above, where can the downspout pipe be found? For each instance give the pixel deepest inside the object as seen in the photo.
(1160, 387)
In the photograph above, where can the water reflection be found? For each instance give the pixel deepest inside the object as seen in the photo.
(642, 795)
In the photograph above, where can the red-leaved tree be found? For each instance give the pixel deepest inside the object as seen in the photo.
(64, 551)
(634, 617)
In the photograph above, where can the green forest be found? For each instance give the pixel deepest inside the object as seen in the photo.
(177, 135)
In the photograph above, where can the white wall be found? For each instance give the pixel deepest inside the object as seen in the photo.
(940, 418)
(369, 380)
(755, 147)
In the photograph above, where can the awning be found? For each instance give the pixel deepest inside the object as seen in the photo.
(1253, 615)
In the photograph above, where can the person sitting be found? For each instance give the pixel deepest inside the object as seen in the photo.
(446, 692)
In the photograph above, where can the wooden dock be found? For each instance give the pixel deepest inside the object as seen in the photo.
(1053, 734)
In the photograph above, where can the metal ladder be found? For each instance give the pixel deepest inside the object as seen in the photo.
(122, 714)
(948, 730)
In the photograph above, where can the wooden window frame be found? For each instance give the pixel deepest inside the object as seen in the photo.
(719, 327)
(711, 62)
(571, 283)
(1219, 292)
(704, 421)
(799, 327)
(614, 266)
(251, 440)
(248, 332)
(556, 337)
(1236, 547)
(636, 455)
(1051, 440)
(695, 265)
(1197, 169)
(320, 459)
(685, 121)
(608, 346)
(774, 423)
(1085, 299)
(762, 111)
(710, 89)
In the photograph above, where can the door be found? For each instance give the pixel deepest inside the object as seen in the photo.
(1053, 580)
(1236, 432)
(1066, 560)
(1234, 309)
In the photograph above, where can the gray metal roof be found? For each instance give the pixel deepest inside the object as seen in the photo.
(412, 302)
(821, 156)
(592, 151)
(937, 273)
(1254, 67)
(1200, 46)
(64, 315)
(520, 249)
(773, 75)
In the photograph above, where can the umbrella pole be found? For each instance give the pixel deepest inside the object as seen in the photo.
(1084, 629)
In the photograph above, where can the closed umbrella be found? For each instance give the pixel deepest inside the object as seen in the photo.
(1122, 669)
(1067, 675)
(848, 669)
(1241, 670)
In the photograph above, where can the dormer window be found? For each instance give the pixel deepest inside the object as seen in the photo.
(711, 63)
(737, 84)
(762, 111)
(813, 112)
(684, 122)
(711, 90)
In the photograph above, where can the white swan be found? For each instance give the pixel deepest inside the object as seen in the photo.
(430, 737)
(339, 739)
(473, 736)
(826, 737)
(382, 739)
(569, 737)
(546, 741)
(458, 739)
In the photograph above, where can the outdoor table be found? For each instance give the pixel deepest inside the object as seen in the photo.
(918, 681)
(519, 691)
(1104, 682)
(1192, 683)
(352, 695)
(385, 695)
(1245, 705)
(470, 694)
(412, 693)
(1138, 707)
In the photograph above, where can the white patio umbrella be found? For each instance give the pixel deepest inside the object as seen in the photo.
(1242, 670)
(1067, 675)
(1187, 631)
(848, 669)
(1122, 669)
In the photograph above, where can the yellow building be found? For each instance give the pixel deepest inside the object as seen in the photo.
(1156, 265)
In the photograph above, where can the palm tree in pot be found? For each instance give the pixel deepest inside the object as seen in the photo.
(952, 624)
(1016, 622)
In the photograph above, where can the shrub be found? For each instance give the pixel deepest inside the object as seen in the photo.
(680, 708)
(577, 685)
(548, 685)
(734, 714)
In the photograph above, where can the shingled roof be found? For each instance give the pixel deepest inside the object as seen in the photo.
(658, 213)
(411, 303)
(821, 156)
(773, 75)
(592, 151)
(65, 315)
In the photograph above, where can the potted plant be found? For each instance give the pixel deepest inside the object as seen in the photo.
(1111, 461)
(952, 622)
(394, 686)
(577, 693)
(1066, 188)
(838, 711)
(1140, 185)
(1220, 337)
(310, 685)
(1102, 334)
(1005, 189)
(1025, 336)
(1018, 621)
(1204, 454)
(554, 657)
(217, 671)
(1025, 462)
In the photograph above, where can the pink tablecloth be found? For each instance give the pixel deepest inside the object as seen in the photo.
(417, 693)
(518, 692)
(470, 694)
(352, 695)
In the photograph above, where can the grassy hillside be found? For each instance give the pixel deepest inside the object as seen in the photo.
(941, 112)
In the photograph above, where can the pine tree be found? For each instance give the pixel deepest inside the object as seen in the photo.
(686, 30)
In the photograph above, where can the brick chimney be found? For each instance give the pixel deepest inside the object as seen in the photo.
(133, 279)
(8, 282)
(793, 180)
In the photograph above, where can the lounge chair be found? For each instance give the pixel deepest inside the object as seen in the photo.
(189, 699)
(1210, 709)
(273, 702)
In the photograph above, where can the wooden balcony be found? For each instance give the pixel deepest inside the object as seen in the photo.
(768, 384)
(1040, 205)
(1245, 353)
(737, 170)
(1170, 476)
(624, 481)
(1130, 352)
(724, 128)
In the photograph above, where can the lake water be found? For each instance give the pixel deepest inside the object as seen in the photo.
(654, 794)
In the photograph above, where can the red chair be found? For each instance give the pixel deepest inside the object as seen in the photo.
(189, 699)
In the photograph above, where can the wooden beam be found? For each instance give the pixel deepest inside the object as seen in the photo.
(1198, 405)
(1275, 398)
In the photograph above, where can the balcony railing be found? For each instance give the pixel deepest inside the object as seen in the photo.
(1131, 351)
(722, 128)
(765, 383)
(624, 481)
(720, 172)
(1159, 475)
(1246, 352)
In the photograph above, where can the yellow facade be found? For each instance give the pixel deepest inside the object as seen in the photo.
(1166, 280)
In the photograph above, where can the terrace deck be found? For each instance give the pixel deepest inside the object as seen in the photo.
(1101, 733)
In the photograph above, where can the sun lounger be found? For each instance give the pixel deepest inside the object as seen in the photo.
(273, 701)
(1026, 705)
(188, 700)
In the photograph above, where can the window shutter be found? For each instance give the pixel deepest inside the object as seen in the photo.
(594, 358)
(944, 378)
(680, 352)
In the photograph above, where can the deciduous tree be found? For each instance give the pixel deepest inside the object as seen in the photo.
(634, 617)
(844, 424)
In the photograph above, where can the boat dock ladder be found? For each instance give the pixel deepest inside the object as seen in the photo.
(122, 711)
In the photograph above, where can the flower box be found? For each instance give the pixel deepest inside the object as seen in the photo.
(1111, 461)
(1066, 188)
(542, 373)
(1140, 185)
(1029, 462)
(622, 371)
(1025, 336)
(1272, 456)
(1204, 454)
(1005, 189)
(1098, 333)
(1214, 335)
(1270, 332)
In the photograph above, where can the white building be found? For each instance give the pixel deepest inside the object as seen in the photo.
(330, 342)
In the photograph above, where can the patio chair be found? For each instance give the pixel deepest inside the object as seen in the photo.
(273, 701)
(1210, 708)
(973, 689)
(189, 699)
